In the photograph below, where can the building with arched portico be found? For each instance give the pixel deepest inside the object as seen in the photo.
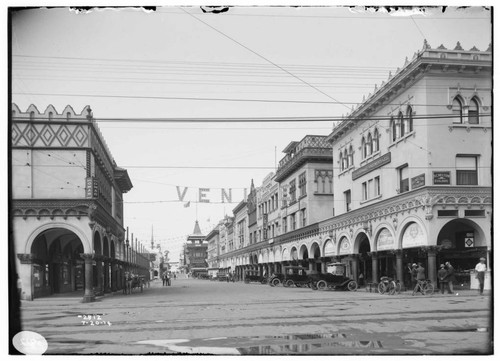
(67, 206)
(412, 169)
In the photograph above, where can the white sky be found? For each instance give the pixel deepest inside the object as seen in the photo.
(148, 57)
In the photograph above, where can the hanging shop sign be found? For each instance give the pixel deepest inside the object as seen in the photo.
(441, 177)
(469, 240)
(206, 195)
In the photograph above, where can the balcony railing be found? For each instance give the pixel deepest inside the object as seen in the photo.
(291, 162)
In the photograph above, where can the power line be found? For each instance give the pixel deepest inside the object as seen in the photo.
(261, 56)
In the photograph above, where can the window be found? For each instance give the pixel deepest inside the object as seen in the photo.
(447, 213)
(302, 184)
(285, 228)
(347, 197)
(409, 119)
(341, 161)
(350, 160)
(293, 220)
(404, 185)
(370, 189)
(394, 129)
(304, 218)
(376, 185)
(293, 197)
(68, 116)
(346, 157)
(474, 213)
(401, 125)
(369, 149)
(364, 191)
(375, 143)
(466, 170)
(456, 109)
(363, 147)
(473, 112)
(32, 115)
(51, 115)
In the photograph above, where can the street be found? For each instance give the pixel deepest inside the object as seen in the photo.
(210, 317)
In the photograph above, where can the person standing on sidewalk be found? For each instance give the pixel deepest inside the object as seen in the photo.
(480, 272)
(442, 273)
(451, 277)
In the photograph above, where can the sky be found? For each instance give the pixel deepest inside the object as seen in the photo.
(133, 66)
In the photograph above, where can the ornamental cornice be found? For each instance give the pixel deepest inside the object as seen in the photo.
(26, 258)
(426, 198)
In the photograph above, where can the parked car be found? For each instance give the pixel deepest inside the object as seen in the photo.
(296, 276)
(254, 276)
(334, 279)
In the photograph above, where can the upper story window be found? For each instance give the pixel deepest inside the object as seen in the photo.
(457, 110)
(351, 156)
(473, 111)
(363, 147)
(302, 184)
(403, 178)
(304, 218)
(347, 198)
(293, 188)
(409, 119)
(293, 223)
(324, 181)
(375, 142)
(68, 116)
(51, 115)
(466, 170)
(401, 122)
(32, 115)
(394, 129)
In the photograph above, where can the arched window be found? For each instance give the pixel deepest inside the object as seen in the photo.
(51, 115)
(369, 149)
(68, 116)
(363, 148)
(351, 156)
(401, 124)
(375, 145)
(394, 129)
(456, 108)
(32, 115)
(409, 119)
(474, 111)
(347, 165)
(341, 161)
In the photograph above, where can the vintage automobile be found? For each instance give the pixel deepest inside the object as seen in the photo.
(296, 276)
(276, 279)
(334, 279)
(254, 276)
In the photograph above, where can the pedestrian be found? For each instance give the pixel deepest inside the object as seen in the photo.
(414, 276)
(442, 273)
(361, 279)
(450, 278)
(480, 272)
(164, 278)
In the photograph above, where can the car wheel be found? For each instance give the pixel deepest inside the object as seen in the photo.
(321, 285)
(289, 283)
(352, 286)
(275, 282)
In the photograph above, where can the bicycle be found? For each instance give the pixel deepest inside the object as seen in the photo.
(389, 286)
(424, 286)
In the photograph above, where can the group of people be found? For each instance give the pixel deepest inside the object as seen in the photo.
(446, 275)
(167, 278)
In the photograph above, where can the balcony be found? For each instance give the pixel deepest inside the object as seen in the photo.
(310, 149)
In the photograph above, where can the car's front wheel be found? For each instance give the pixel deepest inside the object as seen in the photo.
(289, 283)
(352, 286)
(275, 282)
(321, 285)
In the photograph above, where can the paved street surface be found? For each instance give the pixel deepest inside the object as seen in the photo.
(210, 317)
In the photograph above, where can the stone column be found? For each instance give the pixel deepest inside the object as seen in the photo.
(355, 267)
(25, 275)
(374, 258)
(431, 264)
(107, 274)
(114, 271)
(89, 295)
(399, 265)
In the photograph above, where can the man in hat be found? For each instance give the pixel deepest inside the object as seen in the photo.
(442, 273)
(413, 276)
(480, 271)
(451, 277)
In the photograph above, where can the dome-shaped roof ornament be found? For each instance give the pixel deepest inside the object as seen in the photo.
(489, 48)
(426, 45)
(458, 47)
(442, 47)
(474, 48)
(406, 61)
